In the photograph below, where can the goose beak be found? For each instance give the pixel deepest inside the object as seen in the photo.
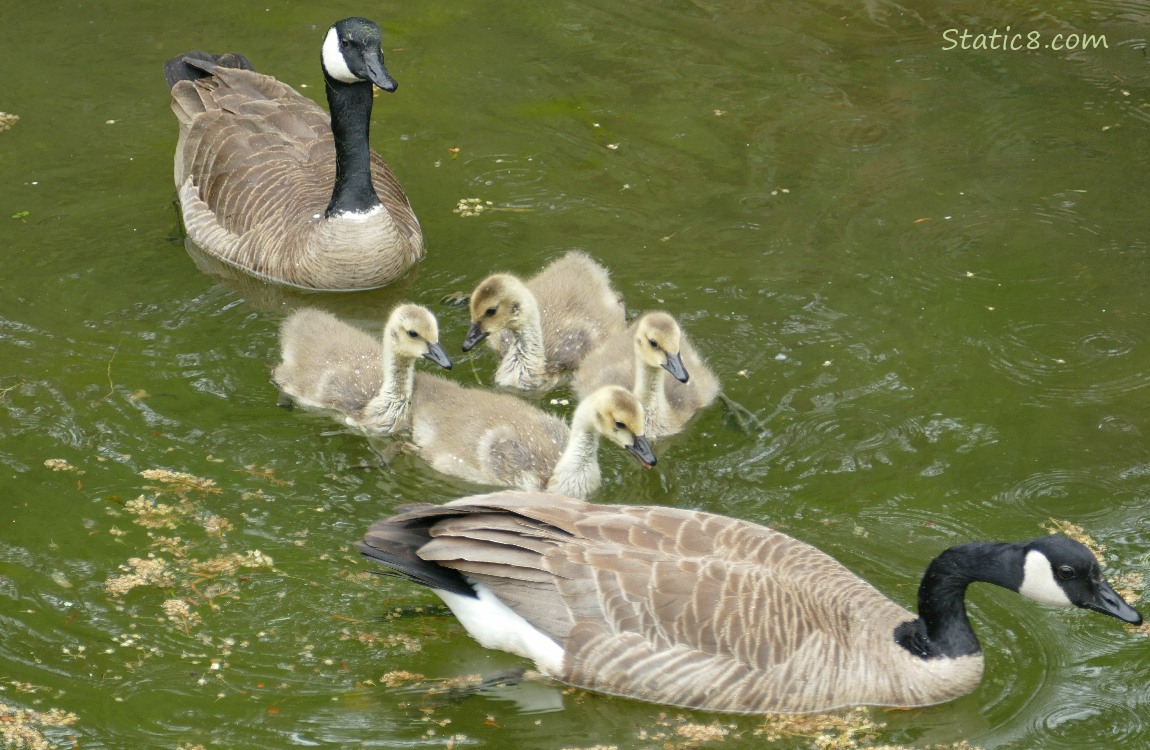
(437, 355)
(1108, 602)
(641, 449)
(377, 73)
(474, 335)
(674, 365)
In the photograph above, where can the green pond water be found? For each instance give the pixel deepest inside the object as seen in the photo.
(923, 267)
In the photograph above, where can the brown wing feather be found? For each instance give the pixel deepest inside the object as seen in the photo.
(504, 554)
(258, 132)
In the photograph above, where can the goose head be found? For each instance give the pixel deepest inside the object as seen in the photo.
(501, 301)
(413, 332)
(352, 54)
(657, 342)
(618, 416)
(1061, 571)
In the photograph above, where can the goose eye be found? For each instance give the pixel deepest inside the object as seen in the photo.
(1065, 572)
(344, 43)
(489, 312)
(412, 334)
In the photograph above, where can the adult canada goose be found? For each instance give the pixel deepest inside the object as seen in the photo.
(542, 328)
(500, 439)
(330, 365)
(703, 611)
(637, 357)
(269, 183)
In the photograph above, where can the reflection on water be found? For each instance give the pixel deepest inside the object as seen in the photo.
(921, 269)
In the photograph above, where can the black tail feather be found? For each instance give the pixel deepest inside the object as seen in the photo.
(194, 65)
(397, 547)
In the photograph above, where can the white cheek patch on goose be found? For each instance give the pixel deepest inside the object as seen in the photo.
(1038, 581)
(333, 61)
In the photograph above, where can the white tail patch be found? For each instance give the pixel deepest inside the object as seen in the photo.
(333, 61)
(1038, 581)
(495, 625)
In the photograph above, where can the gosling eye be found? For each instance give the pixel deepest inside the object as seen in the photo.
(490, 312)
(620, 426)
(1064, 572)
(412, 334)
(654, 344)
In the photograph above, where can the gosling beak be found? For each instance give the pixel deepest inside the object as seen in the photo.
(674, 365)
(474, 335)
(641, 449)
(377, 73)
(1108, 602)
(436, 354)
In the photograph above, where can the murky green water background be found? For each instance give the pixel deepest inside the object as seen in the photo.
(924, 269)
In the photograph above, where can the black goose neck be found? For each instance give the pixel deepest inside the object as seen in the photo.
(350, 105)
(943, 628)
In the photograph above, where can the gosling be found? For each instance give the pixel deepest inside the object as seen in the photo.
(544, 327)
(499, 439)
(636, 359)
(335, 367)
